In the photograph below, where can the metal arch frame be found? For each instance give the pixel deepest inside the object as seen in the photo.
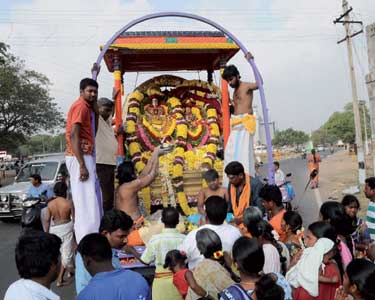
(237, 42)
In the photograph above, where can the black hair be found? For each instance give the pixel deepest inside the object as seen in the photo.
(334, 212)
(234, 168)
(95, 246)
(314, 156)
(350, 199)
(321, 229)
(115, 219)
(271, 192)
(368, 290)
(370, 182)
(276, 163)
(359, 272)
(170, 217)
(105, 102)
(294, 220)
(210, 175)
(208, 243)
(264, 229)
(216, 209)
(229, 72)
(251, 215)
(37, 177)
(36, 252)
(174, 258)
(267, 289)
(249, 255)
(125, 172)
(60, 189)
(85, 82)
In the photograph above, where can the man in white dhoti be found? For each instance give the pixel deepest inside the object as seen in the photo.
(240, 145)
(80, 159)
(60, 213)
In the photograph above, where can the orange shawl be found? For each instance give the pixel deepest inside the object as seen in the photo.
(239, 209)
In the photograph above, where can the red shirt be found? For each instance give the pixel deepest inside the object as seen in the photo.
(180, 282)
(80, 113)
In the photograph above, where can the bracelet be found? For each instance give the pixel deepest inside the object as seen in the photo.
(205, 296)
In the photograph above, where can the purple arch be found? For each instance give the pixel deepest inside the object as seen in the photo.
(230, 35)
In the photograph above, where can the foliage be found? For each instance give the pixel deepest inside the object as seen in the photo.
(290, 137)
(26, 106)
(340, 126)
(39, 144)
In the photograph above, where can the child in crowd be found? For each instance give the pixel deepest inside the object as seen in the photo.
(334, 213)
(212, 273)
(274, 261)
(359, 280)
(156, 250)
(249, 259)
(361, 235)
(183, 278)
(267, 289)
(329, 277)
(304, 276)
(292, 225)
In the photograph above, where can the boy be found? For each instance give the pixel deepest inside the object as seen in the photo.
(61, 211)
(213, 189)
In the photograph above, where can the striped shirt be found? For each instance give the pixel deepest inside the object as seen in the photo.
(370, 219)
(160, 244)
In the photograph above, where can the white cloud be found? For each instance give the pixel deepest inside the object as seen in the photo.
(294, 42)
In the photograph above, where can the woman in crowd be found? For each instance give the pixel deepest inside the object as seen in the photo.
(292, 225)
(359, 281)
(361, 235)
(212, 273)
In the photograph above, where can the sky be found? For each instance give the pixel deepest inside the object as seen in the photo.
(305, 73)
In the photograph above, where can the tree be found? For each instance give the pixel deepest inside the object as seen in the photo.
(340, 126)
(26, 106)
(290, 137)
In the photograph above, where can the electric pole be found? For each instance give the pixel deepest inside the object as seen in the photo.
(370, 81)
(357, 121)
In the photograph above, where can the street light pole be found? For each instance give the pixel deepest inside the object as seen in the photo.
(363, 104)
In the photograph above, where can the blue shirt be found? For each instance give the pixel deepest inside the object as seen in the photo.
(36, 192)
(83, 276)
(116, 285)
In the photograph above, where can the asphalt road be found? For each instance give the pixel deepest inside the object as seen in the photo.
(308, 208)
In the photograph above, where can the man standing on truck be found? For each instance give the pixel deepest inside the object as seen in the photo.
(80, 159)
(240, 145)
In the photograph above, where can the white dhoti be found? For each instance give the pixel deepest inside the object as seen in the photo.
(65, 233)
(86, 205)
(240, 145)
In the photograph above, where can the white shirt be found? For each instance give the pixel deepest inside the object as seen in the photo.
(271, 259)
(279, 177)
(105, 143)
(227, 233)
(27, 289)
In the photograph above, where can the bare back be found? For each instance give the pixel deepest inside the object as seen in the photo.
(243, 98)
(127, 200)
(60, 210)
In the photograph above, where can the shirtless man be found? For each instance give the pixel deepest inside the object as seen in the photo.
(60, 210)
(240, 143)
(213, 189)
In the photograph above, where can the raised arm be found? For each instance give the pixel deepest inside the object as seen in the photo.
(201, 198)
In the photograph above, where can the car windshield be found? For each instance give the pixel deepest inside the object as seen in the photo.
(47, 170)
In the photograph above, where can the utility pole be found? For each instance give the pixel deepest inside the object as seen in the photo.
(357, 121)
(362, 103)
(370, 81)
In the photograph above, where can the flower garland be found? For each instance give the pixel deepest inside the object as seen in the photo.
(214, 137)
(178, 163)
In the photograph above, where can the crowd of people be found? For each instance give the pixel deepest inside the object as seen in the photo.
(256, 256)
(247, 245)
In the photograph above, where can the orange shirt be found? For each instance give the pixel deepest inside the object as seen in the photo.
(80, 113)
(276, 224)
